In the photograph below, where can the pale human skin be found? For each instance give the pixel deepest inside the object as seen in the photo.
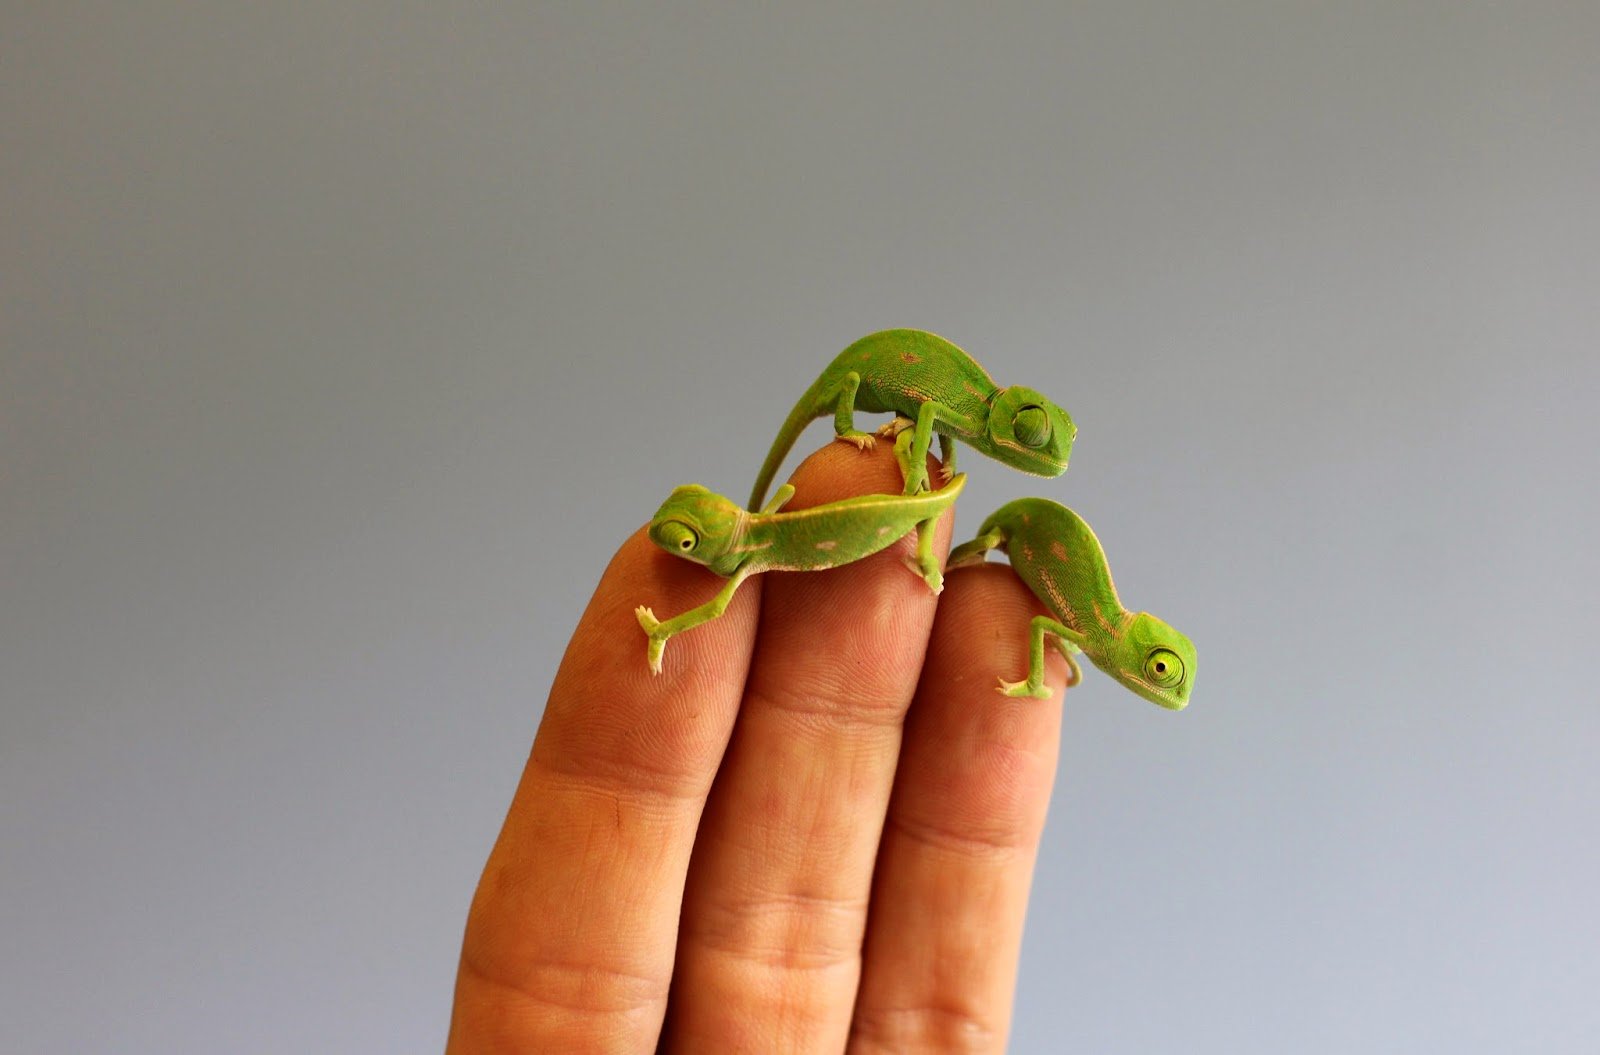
(815, 836)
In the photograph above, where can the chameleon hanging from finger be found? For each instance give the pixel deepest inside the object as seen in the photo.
(711, 529)
(933, 386)
(1056, 554)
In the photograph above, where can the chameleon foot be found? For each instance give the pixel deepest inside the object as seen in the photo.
(947, 472)
(895, 427)
(658, 645)
(930, 575)
(1022, 688)
(864, 441)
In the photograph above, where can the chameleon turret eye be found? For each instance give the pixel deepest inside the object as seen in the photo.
(676, 535)
(1031, 426)
(1163, 668)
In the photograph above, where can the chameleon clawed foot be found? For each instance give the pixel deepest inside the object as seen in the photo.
(930, 575)
(658, 644)
(863, 441)
(895, 427)
(1022, 688)
(947, 472)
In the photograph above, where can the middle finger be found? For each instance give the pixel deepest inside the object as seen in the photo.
(775, 904)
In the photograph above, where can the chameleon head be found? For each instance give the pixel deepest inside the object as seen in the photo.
(699, 525)
(1155, 661)
(1029, 432)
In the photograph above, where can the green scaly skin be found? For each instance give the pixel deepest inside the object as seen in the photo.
(1059, 558)
(710, 529)
(931, 386)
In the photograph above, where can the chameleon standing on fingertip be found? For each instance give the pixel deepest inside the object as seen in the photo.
(931, 386)
(710, 529)
(1056, 554)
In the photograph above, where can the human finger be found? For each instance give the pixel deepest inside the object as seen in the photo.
(775, 908)
(944, 929)
(569, 941)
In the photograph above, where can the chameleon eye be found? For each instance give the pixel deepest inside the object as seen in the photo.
(675, 535)
(1163, 668)
(1031, 426)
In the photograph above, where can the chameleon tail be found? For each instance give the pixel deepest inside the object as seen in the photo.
(803, 414)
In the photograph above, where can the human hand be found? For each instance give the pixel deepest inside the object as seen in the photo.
(815, 835)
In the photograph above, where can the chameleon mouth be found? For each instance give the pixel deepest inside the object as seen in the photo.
(1035, 463)
(1155, 693)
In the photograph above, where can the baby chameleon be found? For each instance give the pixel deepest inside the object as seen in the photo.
(931, 386)
(1059, 558)
(712, 530)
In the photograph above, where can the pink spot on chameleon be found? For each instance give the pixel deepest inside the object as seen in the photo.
(908, 356)
(1058, 551)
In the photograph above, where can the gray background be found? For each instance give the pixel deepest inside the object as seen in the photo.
(343, 342)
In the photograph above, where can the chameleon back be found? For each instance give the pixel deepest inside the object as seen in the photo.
(1058, 556)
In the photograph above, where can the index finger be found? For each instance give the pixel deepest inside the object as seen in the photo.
(570, 937)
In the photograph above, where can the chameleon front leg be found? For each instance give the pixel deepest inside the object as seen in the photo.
(925, 565)
(660, 631)
(1066, 640)
(929, 414)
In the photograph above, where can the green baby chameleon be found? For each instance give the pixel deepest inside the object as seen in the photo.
(931, 386)
(710, 529)
(1058, 557)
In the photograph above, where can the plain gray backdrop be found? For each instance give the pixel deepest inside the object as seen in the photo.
(343, 342)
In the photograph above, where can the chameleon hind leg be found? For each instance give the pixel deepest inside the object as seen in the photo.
(1066, 641)
(844, 413)
(780, 498)
(660, 631)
